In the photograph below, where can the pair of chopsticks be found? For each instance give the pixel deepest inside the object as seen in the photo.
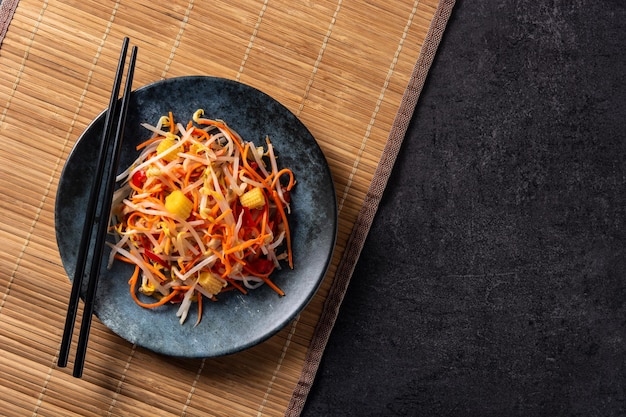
(97, 214)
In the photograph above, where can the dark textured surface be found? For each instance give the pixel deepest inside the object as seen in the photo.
(493, 282)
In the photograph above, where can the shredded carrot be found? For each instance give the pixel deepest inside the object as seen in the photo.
(148, 142)
(199, 310)
(272, 285)
(171, 123)
(214, 166)
(280, 173)
(123, 259)
(287, 231)
(133, 285)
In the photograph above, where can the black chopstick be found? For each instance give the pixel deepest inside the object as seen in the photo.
(108, 158)
(85, 241)
(103, 224)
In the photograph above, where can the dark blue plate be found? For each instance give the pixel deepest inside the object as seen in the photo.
(237, 321)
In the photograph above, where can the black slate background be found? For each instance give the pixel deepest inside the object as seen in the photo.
(493, 282)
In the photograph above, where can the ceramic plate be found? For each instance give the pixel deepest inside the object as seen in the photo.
(237, 321)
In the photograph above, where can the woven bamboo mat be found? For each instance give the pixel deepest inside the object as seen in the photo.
(352, 72)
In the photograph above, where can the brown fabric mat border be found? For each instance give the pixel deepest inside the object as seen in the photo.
(7, 8)
(368, 210)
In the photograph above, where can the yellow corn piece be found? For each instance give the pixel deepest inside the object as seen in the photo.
(169, 144)
(253, 199)
(211, 283)
(178, 204)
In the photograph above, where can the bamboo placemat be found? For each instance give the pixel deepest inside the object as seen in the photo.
(351, 70)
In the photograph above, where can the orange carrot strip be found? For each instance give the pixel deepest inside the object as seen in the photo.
(181, 287)
(196, 201)
(204, 135)
(132, 223)
(228, 268)
(286, 224)
(272, 285)
(237, 285)
(283, 172)
(246, 244)
(172, 125)
(148, 142)
(189, 172)
(199, 295)
(133, 294)
(222, 216)
(155, 271)
(123, 259)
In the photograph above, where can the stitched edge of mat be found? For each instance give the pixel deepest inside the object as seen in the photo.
(7, 8)
(368, 210)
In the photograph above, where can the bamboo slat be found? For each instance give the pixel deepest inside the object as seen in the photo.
(342, 66)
